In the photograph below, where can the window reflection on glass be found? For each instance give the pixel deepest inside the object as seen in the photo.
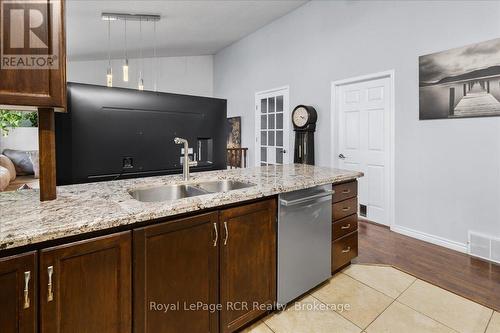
(263, 105)
(279, 104)
(279, 120)
(270, 138)
(263, 138)
(271, 121)
(279, 138)
(263, 154)
(263, 122)
(271, 104)
(279, 155)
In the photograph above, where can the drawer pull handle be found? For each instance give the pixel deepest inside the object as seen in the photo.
(216, 234)
(345, 209)
(348, 249)
(227, 233)
(27, 276)
(50, 293)
(347, 226)
(346, 191)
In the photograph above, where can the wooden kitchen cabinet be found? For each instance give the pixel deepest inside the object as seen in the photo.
(18, 293)
(211, 272)
(40, 87)
(176, 263)
(247, 262)
(86, 286)
(344, 224)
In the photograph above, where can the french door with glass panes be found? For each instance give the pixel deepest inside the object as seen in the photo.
(272, 126)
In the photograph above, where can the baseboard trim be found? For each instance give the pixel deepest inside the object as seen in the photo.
(436, 240)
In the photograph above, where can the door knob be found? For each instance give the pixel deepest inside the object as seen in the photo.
(341, 156)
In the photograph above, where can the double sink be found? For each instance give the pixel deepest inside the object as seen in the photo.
(174, 192)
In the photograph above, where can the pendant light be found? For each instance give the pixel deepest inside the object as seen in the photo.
(131, 17)
(125, 65)
(109, 72)
(141, 80)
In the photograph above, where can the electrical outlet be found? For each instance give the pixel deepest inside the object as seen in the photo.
(128, 163)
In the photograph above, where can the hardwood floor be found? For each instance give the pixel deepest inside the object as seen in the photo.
(457, 272)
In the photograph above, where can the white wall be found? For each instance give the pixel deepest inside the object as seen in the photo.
(183, 75)
(447, 171)
(20, 138)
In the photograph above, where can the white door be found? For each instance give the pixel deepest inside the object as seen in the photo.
(364, 136)
(272, 125)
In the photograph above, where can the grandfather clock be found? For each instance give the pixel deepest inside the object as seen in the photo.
(304, 124)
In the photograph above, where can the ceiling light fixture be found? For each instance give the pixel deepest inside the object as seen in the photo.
(109, 72)
(125, 65)
(130, 17)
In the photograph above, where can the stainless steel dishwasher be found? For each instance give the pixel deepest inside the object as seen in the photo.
(304, 241)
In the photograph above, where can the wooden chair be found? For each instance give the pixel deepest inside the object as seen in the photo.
(237, 157)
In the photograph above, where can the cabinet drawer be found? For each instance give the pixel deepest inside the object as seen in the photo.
(344, 226)
(344, 250)
(345, 191)
(345, 208)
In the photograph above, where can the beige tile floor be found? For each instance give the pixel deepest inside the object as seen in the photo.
(372, 299)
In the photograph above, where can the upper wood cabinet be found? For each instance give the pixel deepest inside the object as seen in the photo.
(247, 263)
(86, 286)
(176, 263)
(33, 38)
(18, 294)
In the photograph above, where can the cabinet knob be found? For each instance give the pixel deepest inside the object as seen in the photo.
(27, 277)
(347, 226)
(50, 293)
(341, 156)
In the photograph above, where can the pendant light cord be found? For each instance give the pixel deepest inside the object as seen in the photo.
(109, 43)
(140, 38)
(126, 53)
(154, 58)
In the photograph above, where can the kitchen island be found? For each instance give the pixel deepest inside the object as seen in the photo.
(96, 257)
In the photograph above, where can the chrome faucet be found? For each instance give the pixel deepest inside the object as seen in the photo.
(187, 163)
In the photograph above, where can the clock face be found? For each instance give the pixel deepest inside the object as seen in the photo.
(300, 117)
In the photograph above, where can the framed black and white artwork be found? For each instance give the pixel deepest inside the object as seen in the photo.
(461, 82)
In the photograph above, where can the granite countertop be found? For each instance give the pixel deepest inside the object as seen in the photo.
(97, 206)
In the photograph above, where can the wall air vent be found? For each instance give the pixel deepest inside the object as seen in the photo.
(484, 246)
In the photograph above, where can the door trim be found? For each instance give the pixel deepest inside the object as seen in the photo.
(286, 124)
(334, 109)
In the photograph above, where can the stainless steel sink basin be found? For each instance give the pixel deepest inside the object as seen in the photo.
(174, 192)
(223, 185)
(166, 193)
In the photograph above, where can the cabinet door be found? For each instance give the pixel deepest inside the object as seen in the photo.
(86, 286)
(247, 262)
(30, 85)
(175, 267)
(18, 292)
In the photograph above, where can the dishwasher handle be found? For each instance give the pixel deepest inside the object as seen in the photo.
(288, 203)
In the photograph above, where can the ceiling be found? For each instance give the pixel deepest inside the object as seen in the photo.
(186, 28)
